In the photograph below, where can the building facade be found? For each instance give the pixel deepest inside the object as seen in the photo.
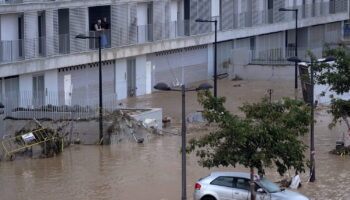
(147, 41)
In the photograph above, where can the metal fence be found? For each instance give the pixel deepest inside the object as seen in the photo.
(277, 56)
(52, 105)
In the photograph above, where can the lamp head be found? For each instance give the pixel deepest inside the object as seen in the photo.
(330, 59)
(1, 105)
(162, 86)
(81, 36)
(282, 9)
(204, 86)
(294, 59)
(199, 20)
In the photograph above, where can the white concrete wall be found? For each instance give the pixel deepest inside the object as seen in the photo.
(120, 79)
(51, 87)
(142, 21)
(9, 27)
(173, 10)
(215, 8)
(141, 75)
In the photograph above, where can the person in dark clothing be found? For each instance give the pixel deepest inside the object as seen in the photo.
(105, 24)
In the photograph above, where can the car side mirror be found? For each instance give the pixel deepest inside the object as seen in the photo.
(260, 190)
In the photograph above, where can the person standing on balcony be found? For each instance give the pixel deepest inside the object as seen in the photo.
(100, 32)
(106, 26)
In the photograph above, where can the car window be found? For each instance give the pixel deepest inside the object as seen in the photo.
(223, 181)
(269, 185)
(242, 183)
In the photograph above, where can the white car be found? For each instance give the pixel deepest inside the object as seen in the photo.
(235, 186)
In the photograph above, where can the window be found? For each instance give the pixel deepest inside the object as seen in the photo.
(242, 183)
(223, 181)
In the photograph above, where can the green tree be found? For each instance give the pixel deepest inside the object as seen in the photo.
(267, 136)
(337, 76)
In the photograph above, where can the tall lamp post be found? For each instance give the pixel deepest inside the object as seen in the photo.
(183, 90)
(296, 48)
(81, 36)
(215, 51)
(312, 104)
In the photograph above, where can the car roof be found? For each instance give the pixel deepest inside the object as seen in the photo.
(235, 174)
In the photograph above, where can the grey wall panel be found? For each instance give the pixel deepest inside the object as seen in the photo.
(180, 66)
(55, 32)
(30, 34)
(50, 32)
(132, 23)
(227, 14)
(77, 24)
(159, 19)
(200, 9)
(317, 36)
(84, 81)
(277, 15)
(119, 26)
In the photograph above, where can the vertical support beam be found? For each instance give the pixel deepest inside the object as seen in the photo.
(183, 144)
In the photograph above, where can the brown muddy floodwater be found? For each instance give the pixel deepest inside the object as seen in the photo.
(152, 170)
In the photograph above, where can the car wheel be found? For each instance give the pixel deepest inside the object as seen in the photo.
(208, 198)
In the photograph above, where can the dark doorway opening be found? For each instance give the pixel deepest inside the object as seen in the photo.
(100, 25)
(63, 30)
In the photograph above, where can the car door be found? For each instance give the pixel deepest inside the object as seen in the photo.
(261, 194)
(222, 186)
(241, 188)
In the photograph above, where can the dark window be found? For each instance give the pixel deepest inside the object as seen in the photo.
(223, 181)
(242, 183)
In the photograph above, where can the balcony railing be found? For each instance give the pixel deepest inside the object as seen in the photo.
(17, 50)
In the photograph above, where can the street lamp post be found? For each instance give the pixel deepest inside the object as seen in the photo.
(295, 50)
(183, 90)
(81, 36)
(312, 104)
(215, 51)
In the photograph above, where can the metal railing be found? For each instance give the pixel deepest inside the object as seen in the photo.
(280, 55)
(56, 105)
(23, 1)
(17, 50)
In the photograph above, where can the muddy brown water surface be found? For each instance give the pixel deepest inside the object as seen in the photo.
(152, 170)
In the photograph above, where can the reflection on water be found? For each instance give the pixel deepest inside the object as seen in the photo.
(150, 171)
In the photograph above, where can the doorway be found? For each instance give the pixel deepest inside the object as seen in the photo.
(131, 77)
(38, 90)
(67, 89)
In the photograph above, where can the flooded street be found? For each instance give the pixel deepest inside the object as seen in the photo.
(152, 170)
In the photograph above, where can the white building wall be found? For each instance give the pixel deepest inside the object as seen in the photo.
(9, 36)
(120, 79)
(9, 27)
(142, 21)
(173, 10)
(215, 8)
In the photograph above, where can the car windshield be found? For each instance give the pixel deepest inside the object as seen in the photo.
(269, 185)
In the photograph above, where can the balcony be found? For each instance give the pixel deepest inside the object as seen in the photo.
(18, 50)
